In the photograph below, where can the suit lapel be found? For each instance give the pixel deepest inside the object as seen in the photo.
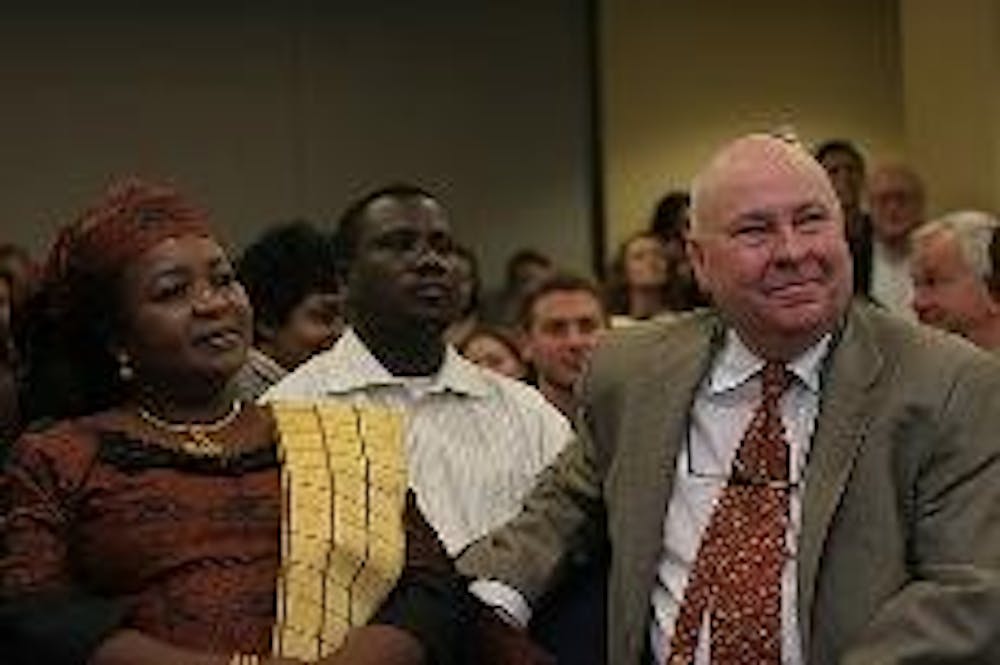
(845, 411)
(656, 425)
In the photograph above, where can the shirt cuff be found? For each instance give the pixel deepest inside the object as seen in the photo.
(505, 600)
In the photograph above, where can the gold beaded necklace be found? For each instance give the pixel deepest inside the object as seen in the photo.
(198, 441)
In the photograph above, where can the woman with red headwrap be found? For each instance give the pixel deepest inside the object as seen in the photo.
(162, 521)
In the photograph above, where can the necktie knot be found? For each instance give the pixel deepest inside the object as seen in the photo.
(775, 379)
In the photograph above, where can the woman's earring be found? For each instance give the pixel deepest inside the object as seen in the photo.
(125, 371)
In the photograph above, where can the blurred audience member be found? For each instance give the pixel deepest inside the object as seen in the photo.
(291, 278)
(671, 220)
(496, 349)
(22, 274)
(467, 269)
(994, 280)
(525, 268)
(951, 276)
(9, 412)
(561, 321)
(22, 270)
(640, 285)
(897, 198)
(846, 167)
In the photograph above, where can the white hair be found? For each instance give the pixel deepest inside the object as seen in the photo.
(973, 232)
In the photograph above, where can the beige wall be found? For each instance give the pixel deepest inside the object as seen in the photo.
(285, 109)
(291, 108)
(951, 66)
(681, 77)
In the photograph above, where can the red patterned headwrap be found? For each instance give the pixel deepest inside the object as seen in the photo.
(131, 218)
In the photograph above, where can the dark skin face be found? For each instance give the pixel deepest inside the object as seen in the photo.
(403, 284)
(312, 326)
(186, 326)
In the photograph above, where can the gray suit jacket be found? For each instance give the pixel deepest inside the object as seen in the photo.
(899, 552)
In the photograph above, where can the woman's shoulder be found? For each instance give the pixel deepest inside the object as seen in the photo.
(70, 436)
(59, 454)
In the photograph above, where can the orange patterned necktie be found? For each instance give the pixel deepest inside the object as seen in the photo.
(736, 577)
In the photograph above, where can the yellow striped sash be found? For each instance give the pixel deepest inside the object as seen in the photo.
(343, 483)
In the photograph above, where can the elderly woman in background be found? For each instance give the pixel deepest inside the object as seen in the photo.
(163, 521)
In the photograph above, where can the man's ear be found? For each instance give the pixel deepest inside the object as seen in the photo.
(696, 256)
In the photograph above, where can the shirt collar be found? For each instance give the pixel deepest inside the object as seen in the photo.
(264, 364)
(352, 366)
(736, 364)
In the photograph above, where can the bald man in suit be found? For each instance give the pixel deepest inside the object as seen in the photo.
(877, 539)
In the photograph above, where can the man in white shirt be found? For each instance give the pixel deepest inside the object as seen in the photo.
(475, 440)
(897, 197)
(789, 478)
(561, 320)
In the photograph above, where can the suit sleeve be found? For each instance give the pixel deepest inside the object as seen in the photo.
(947, 612)
(560, 516)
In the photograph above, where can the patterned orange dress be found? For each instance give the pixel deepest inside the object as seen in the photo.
(107, 530)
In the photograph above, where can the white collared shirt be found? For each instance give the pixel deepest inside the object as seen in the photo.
(723, 408)
(475, 440)
(892, 283)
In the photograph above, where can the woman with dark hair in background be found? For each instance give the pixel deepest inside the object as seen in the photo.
(290, 275)
(22, 271)
(10, 418)
(18, 281)
(160, 520)
(671, 221)
(640, 284)
(496, 349)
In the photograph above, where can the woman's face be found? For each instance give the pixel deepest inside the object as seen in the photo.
(490, 352)
(645, 262)
(186, 320)
(312, 326)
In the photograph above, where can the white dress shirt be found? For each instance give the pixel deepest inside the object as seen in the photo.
(475, 440)
(892, 284)
(723, 408)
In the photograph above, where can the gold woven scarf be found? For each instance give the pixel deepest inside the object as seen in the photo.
(343, 544)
